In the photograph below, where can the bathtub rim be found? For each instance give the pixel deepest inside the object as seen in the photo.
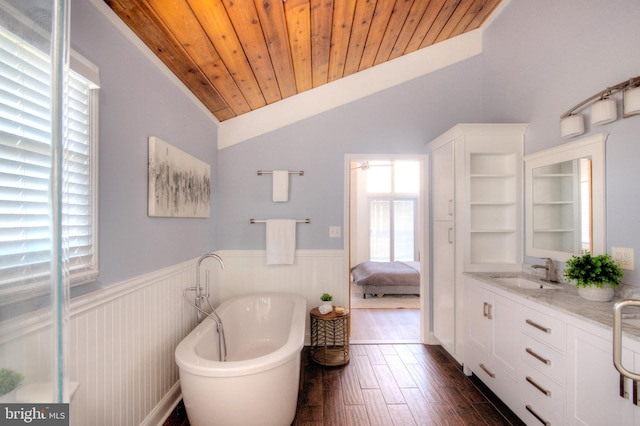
(187, 359)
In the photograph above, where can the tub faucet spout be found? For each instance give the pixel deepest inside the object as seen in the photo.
(199, 289)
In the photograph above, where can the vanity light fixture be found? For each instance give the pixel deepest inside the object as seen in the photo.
(604, 107)
(604, 111)
(631, 101)
(571, 125)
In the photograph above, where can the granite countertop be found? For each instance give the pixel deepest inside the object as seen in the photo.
(563, 297)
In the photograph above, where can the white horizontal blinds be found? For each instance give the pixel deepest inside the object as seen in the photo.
(24, 162)
(78, 226)
(25, 138)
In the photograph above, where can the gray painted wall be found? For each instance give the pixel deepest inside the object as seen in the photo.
(138, 101)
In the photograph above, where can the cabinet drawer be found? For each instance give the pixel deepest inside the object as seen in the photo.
(544, 397)
(545, 328)
(543, 358)
(533, 415)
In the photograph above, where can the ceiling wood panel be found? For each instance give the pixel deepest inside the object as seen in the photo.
(218, 27)
(341, 31)
(274, 26)
(416, 14)
(378, 27)
(298, 14)
(363, 15)
(321, 19)
(396, 22)
(237, 56)
(243, 14)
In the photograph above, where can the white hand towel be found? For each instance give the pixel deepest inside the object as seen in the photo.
(281, 241)
(280, 186)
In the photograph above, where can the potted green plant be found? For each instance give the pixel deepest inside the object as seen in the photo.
(594, 276)
(326, 306)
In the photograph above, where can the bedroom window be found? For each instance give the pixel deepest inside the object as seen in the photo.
(25, 151)
(393, 189)
(392, 229)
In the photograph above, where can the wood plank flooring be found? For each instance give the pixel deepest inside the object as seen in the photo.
(385, 325)
(390, 384)
(399, 384)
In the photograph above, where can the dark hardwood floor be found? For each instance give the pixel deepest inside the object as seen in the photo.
(391, 384)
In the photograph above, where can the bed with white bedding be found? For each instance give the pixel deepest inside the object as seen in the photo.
(382, 278)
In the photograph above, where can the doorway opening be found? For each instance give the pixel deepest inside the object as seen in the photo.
(386, 217)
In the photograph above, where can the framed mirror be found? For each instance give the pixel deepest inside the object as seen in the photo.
(564, 199)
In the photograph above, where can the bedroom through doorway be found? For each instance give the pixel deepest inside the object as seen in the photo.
(385, 240)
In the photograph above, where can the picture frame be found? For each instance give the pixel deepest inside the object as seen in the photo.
(179, 184)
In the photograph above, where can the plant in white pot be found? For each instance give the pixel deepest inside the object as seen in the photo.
(326, 306)
(595, 276)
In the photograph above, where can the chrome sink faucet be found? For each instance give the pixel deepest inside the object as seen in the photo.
(550, 270)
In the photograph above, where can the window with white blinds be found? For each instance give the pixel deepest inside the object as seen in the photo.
(25, 151)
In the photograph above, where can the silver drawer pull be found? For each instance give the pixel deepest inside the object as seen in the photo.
(538, 357)
(537, 416)
(537, 386)
(493, 376)
(538, 326)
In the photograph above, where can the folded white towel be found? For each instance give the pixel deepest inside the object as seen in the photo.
(280, 186)
(281, 241)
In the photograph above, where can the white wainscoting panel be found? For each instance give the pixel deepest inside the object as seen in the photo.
(123, 340)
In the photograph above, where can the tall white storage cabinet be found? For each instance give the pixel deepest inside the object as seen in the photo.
(476, 201)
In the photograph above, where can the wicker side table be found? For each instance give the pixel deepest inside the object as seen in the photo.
(329, 338)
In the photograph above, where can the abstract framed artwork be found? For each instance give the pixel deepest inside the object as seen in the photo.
(179, 184)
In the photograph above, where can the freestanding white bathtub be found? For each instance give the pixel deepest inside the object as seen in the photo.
(258, 384)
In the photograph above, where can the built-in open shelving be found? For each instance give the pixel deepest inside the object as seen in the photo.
(493, 210)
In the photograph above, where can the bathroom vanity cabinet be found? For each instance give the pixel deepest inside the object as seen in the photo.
(597, 394)
(549, 367)
(476, 199)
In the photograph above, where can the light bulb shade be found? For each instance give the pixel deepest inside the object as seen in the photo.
(603, 111)
(632, 101)
(571, 125)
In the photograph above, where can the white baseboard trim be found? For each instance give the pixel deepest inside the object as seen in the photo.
(165, 407)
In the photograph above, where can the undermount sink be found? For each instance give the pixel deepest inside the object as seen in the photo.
(519, 282)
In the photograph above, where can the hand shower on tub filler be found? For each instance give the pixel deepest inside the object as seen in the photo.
(202, 294)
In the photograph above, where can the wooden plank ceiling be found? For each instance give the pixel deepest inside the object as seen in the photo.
(240, 55)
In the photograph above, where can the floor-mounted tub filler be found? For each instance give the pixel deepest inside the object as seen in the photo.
(258, 383)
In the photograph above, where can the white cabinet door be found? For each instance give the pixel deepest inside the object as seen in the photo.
(444, 289)
(478, 331)
(505, 332)
(491, 347)
(593, 383)
(443, 182)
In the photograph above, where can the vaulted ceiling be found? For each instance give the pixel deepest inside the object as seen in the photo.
(237, 56)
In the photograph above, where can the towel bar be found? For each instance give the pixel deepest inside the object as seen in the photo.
(264, 220)
(291, 172)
